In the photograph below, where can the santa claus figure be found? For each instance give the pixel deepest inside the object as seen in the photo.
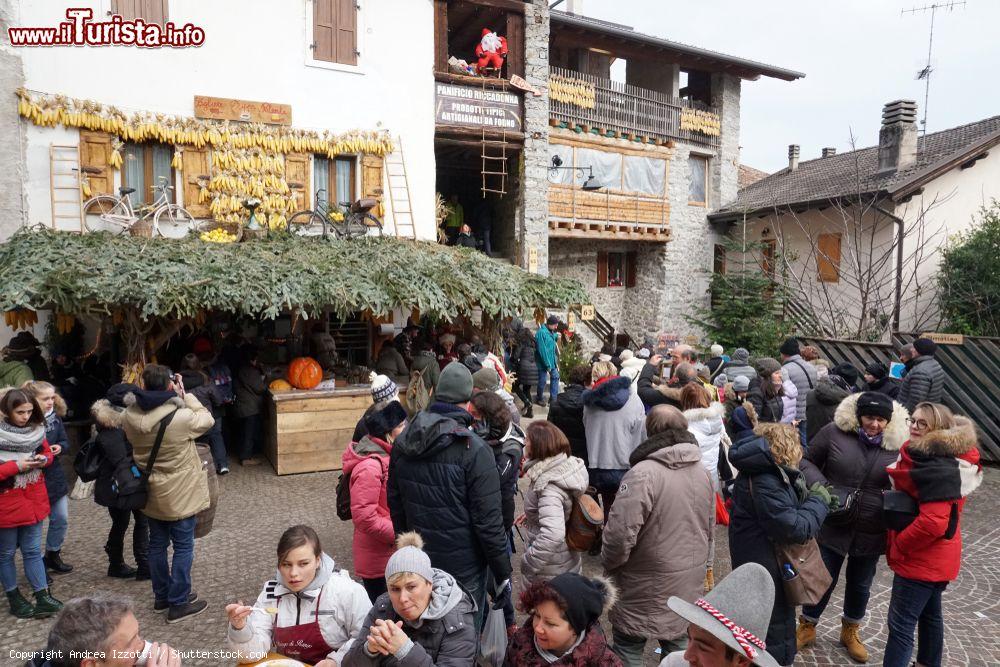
(491, 51)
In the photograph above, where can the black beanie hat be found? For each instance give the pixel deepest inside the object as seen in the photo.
(790, 347)
(877, 369)
(116, 393)
(585, 598)
(382, 422)
(846, 371)
(874, 404)
(925, 346)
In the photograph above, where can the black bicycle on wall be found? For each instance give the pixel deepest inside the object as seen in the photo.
(346, 221)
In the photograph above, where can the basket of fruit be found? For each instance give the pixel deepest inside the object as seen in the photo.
(213, 231)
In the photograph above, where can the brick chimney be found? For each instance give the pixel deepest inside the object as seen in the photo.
(829, 152)
(897, 140)
(793, 157)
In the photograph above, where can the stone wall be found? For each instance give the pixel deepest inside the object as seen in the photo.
(632, 309)
(12, 132)
(532, 197)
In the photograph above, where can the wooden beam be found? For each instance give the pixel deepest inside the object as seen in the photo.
(507, 5)
(478, 81)
(477, 133)
(472, 143)
(441, 35)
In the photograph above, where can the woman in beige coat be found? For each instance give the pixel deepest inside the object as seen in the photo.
(656, 541)
(554, 477)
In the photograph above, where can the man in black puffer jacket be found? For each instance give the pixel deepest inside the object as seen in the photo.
(566, 412)
(444, 484)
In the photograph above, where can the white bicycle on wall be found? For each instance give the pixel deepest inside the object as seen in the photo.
(106, 213)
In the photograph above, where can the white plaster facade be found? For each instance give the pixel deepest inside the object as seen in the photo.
(947, 206)
(253, 50)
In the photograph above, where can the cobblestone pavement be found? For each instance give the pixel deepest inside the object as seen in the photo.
(233, 562)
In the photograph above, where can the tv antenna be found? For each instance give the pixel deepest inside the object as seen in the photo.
(925, 74)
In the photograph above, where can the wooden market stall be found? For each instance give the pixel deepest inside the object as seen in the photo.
(145, 291)
(307, 431)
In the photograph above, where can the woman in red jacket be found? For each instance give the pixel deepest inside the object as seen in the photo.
(939, 467)
(24, 502)
(367, 463)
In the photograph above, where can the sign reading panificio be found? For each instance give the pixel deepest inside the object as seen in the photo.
(469, 106)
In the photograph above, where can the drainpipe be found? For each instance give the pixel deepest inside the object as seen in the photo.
(900, 227)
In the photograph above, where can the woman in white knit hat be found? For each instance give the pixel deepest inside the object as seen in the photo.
(425, 619)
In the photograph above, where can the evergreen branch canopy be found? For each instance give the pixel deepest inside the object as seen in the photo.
(97, 273)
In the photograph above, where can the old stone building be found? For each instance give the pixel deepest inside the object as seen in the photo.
(657, 123)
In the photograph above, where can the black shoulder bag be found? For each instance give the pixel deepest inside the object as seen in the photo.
(131, 484)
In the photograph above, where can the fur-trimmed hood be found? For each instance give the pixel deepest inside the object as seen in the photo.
(896, 431)
(711, 413)
(106, 415)
(955, 441)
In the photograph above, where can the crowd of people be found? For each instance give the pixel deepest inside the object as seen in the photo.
(666, 444)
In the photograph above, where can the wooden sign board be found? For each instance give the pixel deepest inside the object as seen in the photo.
(222, 108)
(945, 338)
(570, 320)
(587, 312)
(533, 260)
(469, 106)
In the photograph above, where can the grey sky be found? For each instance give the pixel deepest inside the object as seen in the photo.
(856, 54)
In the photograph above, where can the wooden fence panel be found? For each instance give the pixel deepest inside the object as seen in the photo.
(972, 387)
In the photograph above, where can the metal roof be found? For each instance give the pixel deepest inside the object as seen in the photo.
(753, 68)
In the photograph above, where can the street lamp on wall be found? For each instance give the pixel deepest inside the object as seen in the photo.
(590, 184)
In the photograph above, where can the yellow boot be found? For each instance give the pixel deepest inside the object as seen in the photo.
(805, 634)
(851, 640)
(709, 580)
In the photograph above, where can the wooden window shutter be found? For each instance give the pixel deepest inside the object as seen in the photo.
(515, 44)
(325, 30)
(347, 32)
(298, 173)
(127, 9)
(95, 151)
(195, 163)
(631, 259)
(602, 269)
(150, 11)
(371, 180)
(828, 258)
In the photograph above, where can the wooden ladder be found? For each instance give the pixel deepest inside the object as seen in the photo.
(65, 188)
(400, 200)
(494, 169)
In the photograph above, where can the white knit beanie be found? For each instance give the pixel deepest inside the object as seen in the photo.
(716, 350)
(383, 388)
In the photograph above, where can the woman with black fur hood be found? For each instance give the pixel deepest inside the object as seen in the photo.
(115, 449)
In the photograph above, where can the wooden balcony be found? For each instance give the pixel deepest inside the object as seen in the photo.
(611, 108)
(610, 214)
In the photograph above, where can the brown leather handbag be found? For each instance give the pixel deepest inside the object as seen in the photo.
(803, 573)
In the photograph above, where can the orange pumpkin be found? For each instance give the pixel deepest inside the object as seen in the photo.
(304, 373)
(279, 386)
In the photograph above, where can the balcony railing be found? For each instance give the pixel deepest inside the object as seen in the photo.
(610, 106)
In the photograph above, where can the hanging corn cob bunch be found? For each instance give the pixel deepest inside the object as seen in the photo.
(51, 110)
(65, 323)
(85, 187)
(177, 162)
(115, 160)
(20, 318)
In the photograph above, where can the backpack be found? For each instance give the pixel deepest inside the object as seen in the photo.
(221, 377)
(417, 396)
(586, 521)
(344, 493)
(88, 461)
